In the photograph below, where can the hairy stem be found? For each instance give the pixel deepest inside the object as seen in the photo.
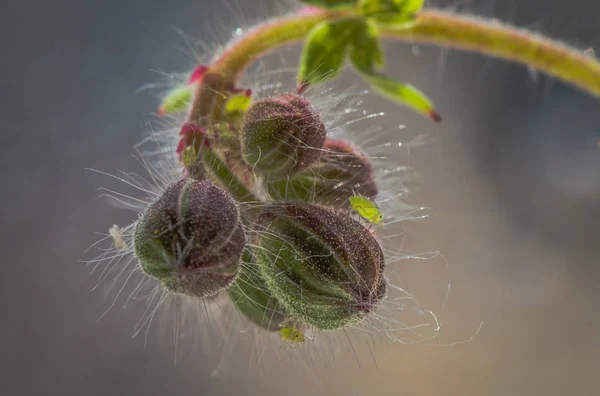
(492, 38)
(433, 27)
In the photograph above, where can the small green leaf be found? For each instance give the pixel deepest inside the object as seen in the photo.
(410, 6)
(366, 209)
(365, 52)
(325, 50)
(331, 4)
(403, 93)
(176, 100)
(238, 104)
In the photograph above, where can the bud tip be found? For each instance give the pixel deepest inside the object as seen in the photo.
(197, 74)
(435, 116)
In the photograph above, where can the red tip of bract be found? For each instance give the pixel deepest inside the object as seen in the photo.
(189, 128)
(161, 111)
(180, 146)
(339, 145)
(301, 88)
(191, 134)
(435, 116)
(197, 74)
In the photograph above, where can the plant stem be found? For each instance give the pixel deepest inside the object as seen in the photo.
(492, 38)
(469, 33)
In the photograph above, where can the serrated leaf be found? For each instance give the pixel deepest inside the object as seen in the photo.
(331, 4)
(176, 100)
(403, 93)
(365, 52)
(325, 49)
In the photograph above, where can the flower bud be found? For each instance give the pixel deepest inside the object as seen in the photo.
(282, 135)
(341, 172)
(324, 267)
(252, 298)
(191, 238)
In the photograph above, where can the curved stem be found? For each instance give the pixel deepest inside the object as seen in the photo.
(492, 38)
(432, 27)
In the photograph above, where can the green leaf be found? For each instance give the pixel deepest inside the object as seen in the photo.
(176, 100)
(408, 6)
(331, 4)
(325, 50)
(403, 93)
(365, 52)
(238, 104)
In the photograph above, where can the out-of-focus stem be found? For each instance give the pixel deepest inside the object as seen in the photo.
(446, 29)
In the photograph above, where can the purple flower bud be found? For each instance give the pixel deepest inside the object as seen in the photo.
(324, 267)
(282, 135)
(191, 238)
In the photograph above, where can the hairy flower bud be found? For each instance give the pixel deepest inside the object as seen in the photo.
(341, 172)
(191, 238)
(324, 267)
(252, 298)
(282, 135)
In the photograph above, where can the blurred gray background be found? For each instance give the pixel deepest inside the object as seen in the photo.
(513, 178)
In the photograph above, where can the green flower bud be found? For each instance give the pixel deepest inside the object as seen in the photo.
(282, 135)
(191, 238)
(324, 267)
(341, 172)
(252, 298)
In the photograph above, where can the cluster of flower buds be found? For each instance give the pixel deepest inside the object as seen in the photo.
(305, 258)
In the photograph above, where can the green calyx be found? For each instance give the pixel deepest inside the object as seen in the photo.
(252, 298)
(324, 267)
(341, 172)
